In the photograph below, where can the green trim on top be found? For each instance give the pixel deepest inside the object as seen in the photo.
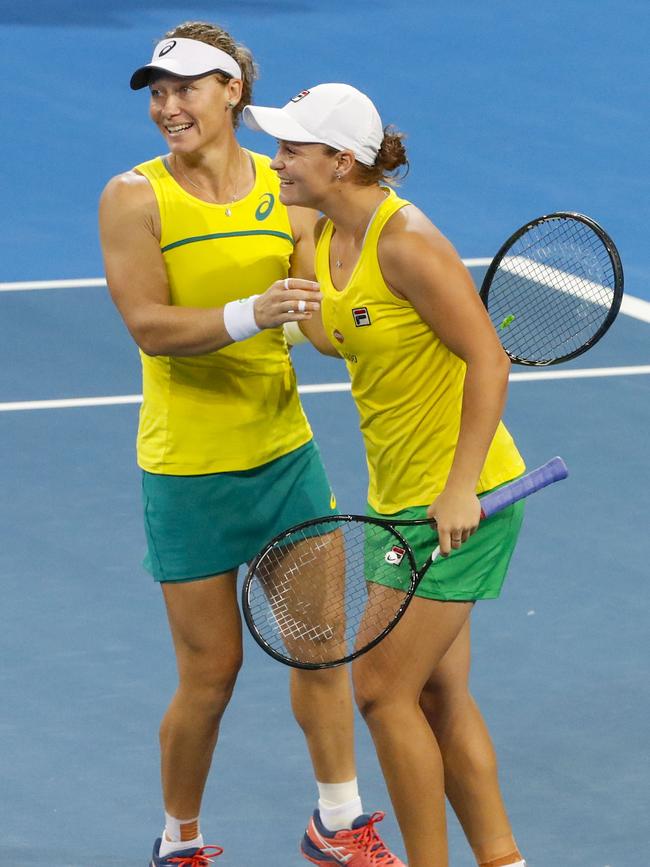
(227, 235)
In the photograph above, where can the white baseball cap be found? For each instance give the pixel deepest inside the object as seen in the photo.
(187, 58)
(337, 115)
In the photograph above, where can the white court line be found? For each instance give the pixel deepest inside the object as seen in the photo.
(632, 306)
(546, 275)
(581, 373)
(70, 402)
(635, 307)
(32, 285)
(476, 263)
(325, 388)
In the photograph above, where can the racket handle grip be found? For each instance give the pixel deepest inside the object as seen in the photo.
(552, 471)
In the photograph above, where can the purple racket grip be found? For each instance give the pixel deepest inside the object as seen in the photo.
(552, 471)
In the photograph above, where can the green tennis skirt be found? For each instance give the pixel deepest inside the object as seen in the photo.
(199, 526)
(474, 571)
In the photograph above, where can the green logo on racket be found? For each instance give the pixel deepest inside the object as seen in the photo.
(507, 321)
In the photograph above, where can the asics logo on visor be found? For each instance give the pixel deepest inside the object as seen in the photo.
(299, 96)
(166, 48)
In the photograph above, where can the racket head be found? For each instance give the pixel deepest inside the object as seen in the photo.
(325, 591)
(554, 288)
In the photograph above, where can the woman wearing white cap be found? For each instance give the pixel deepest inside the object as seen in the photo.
(429, 378)
(226, 451)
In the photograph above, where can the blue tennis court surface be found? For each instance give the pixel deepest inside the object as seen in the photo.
(512, 110)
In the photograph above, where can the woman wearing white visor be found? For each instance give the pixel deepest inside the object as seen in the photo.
(429, 378)
(227, 455)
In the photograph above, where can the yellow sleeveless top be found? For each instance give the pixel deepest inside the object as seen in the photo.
(406, 383)
(236, 408)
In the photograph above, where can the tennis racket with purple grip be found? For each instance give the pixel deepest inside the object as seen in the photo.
(325, 591)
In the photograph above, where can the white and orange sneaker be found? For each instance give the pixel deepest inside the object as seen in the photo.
(359, 846)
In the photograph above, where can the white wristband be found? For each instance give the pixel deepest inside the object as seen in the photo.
(293, 333)
(239, 318)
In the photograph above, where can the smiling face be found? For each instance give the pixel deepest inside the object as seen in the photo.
(306, 172)
(192, 112)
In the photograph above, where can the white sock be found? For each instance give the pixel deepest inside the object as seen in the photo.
(339, 804)
(171, 836)
(167, 847)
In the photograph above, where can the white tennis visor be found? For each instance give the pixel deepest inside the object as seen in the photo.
(186, 58)
(337, 115)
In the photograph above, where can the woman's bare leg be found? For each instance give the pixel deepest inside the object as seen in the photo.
(388, 681)
(206, 629)
(471, 778)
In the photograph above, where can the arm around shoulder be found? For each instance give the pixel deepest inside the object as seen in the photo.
(137, 279)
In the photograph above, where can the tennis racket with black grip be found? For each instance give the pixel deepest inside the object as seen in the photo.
(325, 591)
(554, 288)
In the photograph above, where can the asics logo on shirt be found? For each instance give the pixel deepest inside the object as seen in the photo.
(265, 206)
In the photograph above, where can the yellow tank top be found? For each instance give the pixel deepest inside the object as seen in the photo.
(406, 383)
(236, 408)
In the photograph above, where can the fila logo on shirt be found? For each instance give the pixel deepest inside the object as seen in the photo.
(361, 316)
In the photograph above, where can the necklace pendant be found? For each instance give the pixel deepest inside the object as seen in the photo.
(339, 264)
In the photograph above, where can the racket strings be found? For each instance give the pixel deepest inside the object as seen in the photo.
(552, 290)
(321, 593)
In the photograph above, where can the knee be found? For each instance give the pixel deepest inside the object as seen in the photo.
(440, 698)
(445, 704)
(318, 694)
(443, 691)
(371, 697)
(432, 697)
(368, 705)
(209, 680)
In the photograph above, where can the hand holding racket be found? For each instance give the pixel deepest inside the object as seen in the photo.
(325, 591)
(553, 289)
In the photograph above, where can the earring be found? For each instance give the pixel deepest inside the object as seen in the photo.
(338, 176)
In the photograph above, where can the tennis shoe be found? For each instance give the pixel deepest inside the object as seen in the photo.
(359, 846)
(202, 857)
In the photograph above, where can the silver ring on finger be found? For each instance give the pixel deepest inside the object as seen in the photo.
(302, 304)
(286, 283)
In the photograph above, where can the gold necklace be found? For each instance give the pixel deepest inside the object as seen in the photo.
(196, 186)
